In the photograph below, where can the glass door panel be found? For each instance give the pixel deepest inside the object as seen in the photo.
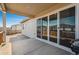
(44, 28)
(67, 26)
(39, 28)
(53, 28)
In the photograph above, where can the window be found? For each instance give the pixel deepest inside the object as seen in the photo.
(39, 28)
(66, 29)
(53, 28)
(44, 28)
(67, 26)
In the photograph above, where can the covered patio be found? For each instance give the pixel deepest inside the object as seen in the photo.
(30, 10)
(22, 45)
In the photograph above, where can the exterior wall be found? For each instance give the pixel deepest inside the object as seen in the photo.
(77, 21)
(30, 26)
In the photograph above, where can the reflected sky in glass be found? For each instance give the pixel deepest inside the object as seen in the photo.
(68, 20)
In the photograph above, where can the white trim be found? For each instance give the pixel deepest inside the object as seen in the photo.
(58, 26)
(77, 22)
(41, 27)
(48, 28)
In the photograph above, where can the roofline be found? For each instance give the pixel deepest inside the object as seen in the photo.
(23, 21)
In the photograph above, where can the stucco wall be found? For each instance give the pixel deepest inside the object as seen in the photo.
(30, 28)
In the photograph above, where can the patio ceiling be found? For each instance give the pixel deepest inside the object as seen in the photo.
(31, 9)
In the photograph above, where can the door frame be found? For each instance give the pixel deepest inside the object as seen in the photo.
(58, 23)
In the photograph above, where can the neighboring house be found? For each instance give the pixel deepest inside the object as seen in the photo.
(17, 27)
(58, 25)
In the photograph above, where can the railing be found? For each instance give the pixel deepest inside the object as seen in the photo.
(1, 37)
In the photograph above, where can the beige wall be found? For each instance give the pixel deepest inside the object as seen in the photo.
(29, 28)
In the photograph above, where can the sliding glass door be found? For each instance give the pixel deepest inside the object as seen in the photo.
(44, 28)
(39, 28)
(53, 28)
(67, 26)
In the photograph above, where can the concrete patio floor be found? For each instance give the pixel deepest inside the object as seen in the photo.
(22, 45)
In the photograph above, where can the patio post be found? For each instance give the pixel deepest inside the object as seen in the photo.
(4, 21)
(4, 26)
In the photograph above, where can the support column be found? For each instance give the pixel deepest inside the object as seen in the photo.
(4, 26)
(58, 28)
(48, 29)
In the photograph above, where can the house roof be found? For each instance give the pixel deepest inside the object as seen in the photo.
(23, 21)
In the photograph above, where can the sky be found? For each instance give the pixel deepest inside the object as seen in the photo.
(11, 19)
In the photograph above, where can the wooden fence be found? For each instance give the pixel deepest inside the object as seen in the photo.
(1, 37)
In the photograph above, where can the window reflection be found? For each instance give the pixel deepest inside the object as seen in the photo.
(39, 28)
(67, 26)
(53, 27)
(44, 28)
